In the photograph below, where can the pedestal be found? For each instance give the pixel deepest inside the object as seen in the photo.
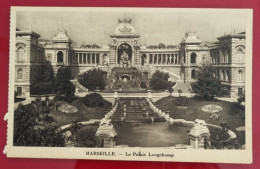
(198, 134)
(106, 136)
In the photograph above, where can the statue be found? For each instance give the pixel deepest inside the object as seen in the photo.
(105, 122)
(124, 59)
(106, 134)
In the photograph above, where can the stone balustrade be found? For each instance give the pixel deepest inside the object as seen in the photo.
(112, 111)
(159, 110)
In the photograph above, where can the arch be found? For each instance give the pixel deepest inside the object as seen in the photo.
(143, 59)
(193, 57)
(20, 54)
(105, 59)
(60, 57)
(19, 74)
(193, 74)
(240, 55)
(124, 50)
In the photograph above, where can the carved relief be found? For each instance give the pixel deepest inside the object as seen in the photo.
(125, 29)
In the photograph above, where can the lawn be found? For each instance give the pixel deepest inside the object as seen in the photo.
(84, 113)
(194, 111)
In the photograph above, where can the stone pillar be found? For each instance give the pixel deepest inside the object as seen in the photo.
(106, 134)
(148, 59)
(157, 58)
(149, 95)
(115, 95)
(90, 58)
(198, 134)
(95, 56)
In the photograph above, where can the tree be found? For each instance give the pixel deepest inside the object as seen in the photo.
(64, 88)
(24, 122)
(159, 81)
(63, 74)
(170, 90)
(241, 98)
(48, 73)
(208, 86)
(93, 80)
(161, 46)
(94, 100)
(179, 91)
(143, 85)
(27, 134)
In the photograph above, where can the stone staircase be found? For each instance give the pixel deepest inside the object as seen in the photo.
(134, 110)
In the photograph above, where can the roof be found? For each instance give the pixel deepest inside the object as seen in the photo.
(191, 37)
(61, 36)
(27, 32)
(238, 35)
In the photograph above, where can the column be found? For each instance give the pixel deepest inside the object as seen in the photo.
(147, 59)
(157, 58)
(84, 58)
(95, 55)
(90, 58)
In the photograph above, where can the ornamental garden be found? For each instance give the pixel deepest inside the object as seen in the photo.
(135, 108)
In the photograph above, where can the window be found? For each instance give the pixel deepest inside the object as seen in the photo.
(240, 55)
(240, 75)
(193, 74)
(227, 75)
(240, 91)
(20, 55)
(19, 91)
(60, 57)
(20, 74)
(223, 75)
(193, 58)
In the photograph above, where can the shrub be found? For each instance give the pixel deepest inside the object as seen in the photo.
(93, 79)
(236, 108)
(143, 85)
(182, 101)
(86, 139)
(159, 81)
(94, 100)
(179, 91)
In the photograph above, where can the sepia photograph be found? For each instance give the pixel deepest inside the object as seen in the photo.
(144, 84)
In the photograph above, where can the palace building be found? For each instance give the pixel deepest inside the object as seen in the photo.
(227, 55)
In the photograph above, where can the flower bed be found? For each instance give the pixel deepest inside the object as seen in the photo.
(66, 108)
(211, 108)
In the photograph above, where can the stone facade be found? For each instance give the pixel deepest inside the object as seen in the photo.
(227, 55)
(29, 61)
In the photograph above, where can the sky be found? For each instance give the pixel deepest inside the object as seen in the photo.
(168, 26)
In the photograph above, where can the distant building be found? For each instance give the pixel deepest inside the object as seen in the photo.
(227, 55)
